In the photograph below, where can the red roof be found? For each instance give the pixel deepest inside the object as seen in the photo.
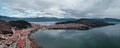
(20, 43)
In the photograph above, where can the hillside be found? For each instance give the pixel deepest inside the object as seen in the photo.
(88, 22)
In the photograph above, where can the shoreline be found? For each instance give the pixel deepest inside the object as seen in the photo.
(20, 32)
(33, 44)
(20, 38)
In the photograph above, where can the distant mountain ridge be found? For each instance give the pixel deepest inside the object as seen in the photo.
(45, 19)
(37, 19)
(111, 20)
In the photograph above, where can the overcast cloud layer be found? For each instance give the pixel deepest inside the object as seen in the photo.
(61, 8)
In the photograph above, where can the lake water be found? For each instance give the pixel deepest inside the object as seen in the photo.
(103, 37)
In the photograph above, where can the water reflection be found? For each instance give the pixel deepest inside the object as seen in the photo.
(104, 37)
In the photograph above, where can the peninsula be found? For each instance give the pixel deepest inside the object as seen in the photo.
(16, 34)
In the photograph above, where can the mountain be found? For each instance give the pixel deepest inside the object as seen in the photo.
(45, 19)
(7, 18)
(5, 27)
(111, 20)
(89, 22)
(20, 24)
(37, 19)
(108, 19)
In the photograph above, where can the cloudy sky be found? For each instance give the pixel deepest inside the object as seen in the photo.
(61, 8)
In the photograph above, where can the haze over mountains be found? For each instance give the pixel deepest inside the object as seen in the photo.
(37, 19)
(45, 19)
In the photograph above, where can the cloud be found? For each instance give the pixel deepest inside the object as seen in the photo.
(62, 8)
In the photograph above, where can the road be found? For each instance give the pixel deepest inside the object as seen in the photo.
(19, 39)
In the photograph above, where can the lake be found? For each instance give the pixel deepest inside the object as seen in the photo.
(103, 37)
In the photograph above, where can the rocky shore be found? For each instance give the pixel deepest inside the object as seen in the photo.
(33, 44)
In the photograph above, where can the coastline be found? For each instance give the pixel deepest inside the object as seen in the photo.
(33, 44)
(20, 38)
(20, 31)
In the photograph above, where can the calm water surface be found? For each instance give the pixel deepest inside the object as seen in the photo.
(103, 37)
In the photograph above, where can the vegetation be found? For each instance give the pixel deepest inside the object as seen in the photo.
(88, 22)
(20, 24)
(5, 28)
